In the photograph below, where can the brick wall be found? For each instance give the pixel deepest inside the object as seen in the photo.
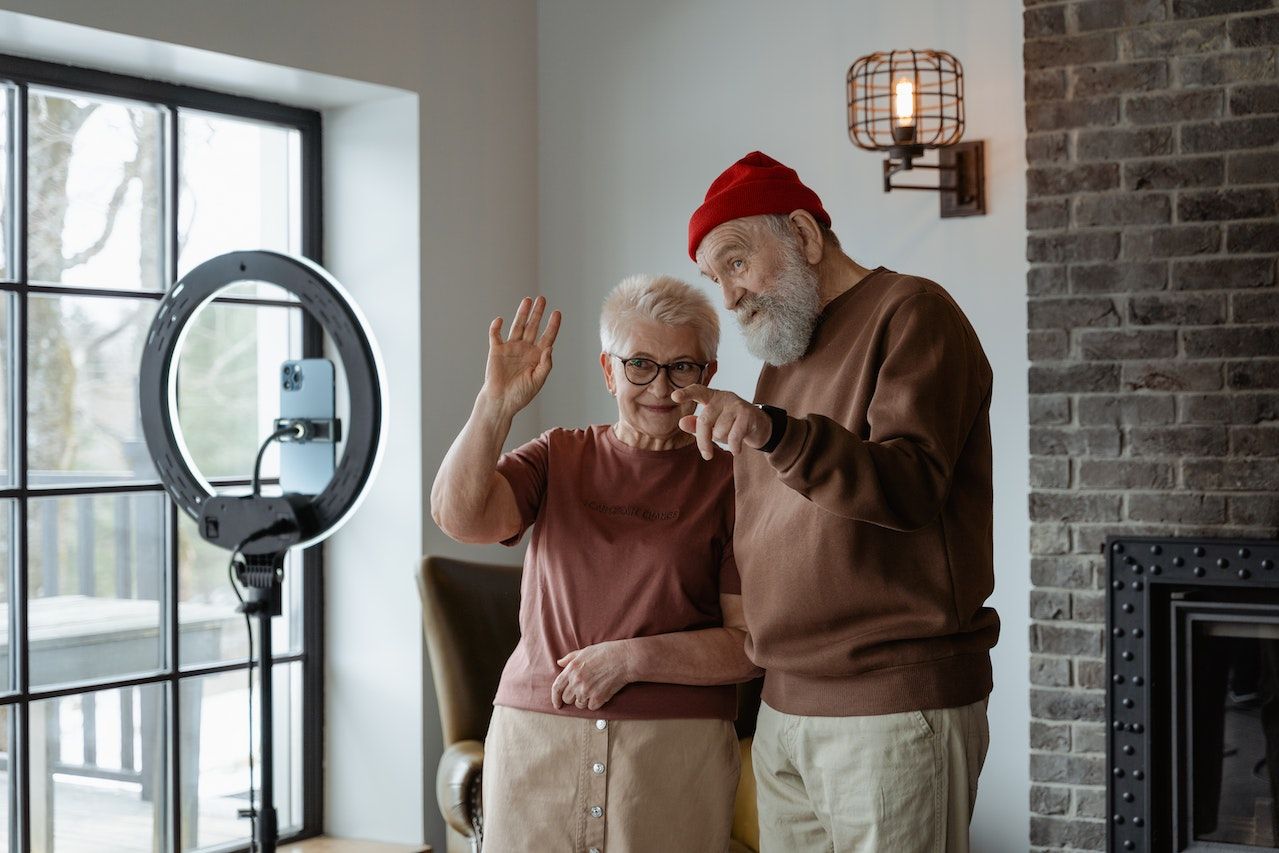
(1153, 217)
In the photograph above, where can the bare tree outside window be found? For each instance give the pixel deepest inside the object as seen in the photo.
(94, 207)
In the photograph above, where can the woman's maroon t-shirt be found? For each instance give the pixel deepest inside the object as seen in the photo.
(626, 543)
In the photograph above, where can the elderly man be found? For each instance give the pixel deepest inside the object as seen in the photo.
(864, 525)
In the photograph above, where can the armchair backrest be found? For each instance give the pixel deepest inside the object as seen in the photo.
(470, 615)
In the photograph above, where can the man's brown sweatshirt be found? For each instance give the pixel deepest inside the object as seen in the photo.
(864, 539)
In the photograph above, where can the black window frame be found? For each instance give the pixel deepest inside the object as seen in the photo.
(22, 73)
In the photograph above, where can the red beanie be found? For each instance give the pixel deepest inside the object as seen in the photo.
(754, 185)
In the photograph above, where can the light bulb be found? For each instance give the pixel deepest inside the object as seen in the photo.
(905, 102)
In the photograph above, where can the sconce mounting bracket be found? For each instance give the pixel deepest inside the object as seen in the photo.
(961, 173)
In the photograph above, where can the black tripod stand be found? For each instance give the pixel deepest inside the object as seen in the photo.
(262, 576)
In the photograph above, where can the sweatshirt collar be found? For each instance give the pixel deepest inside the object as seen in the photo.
(835, 304)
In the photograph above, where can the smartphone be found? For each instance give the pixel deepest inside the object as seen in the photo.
(306, 391)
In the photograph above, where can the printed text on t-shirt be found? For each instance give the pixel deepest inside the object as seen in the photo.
(633, 511)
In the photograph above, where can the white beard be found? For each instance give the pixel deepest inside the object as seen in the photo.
(784, 317)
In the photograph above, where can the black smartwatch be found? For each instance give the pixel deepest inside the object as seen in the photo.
(778, 417)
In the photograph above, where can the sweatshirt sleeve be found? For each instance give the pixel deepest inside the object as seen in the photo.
(933, 381)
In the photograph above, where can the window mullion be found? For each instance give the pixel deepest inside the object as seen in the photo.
(22, 748)
(312, 563)
(18, 195)
(169, 157)
(175, 692)
(19, 769)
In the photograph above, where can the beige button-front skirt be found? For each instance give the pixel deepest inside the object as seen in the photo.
(557, 784)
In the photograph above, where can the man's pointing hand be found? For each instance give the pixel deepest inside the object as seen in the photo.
(723, 417)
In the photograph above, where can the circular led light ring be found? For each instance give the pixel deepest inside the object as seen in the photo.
(325, 299)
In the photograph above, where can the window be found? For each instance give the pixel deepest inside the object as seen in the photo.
(124, 719)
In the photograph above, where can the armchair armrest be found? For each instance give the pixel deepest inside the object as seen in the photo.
(457, 786)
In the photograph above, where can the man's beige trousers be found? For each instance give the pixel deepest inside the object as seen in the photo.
(896, 783)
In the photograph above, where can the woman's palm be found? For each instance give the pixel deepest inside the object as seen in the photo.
(518, 366)
(516, 370)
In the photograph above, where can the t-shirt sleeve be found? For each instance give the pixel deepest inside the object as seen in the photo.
(730, 583)
(526, 468)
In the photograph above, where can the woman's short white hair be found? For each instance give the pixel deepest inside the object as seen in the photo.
(662, 299)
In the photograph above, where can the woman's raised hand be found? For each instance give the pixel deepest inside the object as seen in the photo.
(518, 366)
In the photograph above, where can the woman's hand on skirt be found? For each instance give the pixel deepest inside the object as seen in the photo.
(591, 676)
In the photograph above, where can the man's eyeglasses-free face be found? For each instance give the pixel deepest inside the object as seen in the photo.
(642, 371)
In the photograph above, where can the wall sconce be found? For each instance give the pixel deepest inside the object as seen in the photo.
(906, 102)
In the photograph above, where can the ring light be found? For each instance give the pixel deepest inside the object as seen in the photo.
(263, 529)
(221, 519)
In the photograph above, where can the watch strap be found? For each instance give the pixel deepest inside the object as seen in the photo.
(779, 419)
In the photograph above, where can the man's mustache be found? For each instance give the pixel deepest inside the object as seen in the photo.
(749, 306)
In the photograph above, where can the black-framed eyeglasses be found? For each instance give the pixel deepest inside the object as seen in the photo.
(642, 371)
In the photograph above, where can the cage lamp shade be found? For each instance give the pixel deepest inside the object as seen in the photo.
(906, 100)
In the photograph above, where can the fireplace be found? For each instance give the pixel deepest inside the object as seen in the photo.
(1193, 694)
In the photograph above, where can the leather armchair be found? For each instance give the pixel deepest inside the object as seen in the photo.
(470, 615)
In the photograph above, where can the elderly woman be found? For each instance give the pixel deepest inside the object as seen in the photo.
(612, 722)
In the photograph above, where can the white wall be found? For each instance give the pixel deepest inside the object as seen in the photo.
(372, 711)
(643, 104)
(424, 169)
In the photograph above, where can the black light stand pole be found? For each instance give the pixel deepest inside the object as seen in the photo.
(263, 577)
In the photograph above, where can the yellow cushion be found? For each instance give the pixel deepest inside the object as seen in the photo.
(745, 809)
